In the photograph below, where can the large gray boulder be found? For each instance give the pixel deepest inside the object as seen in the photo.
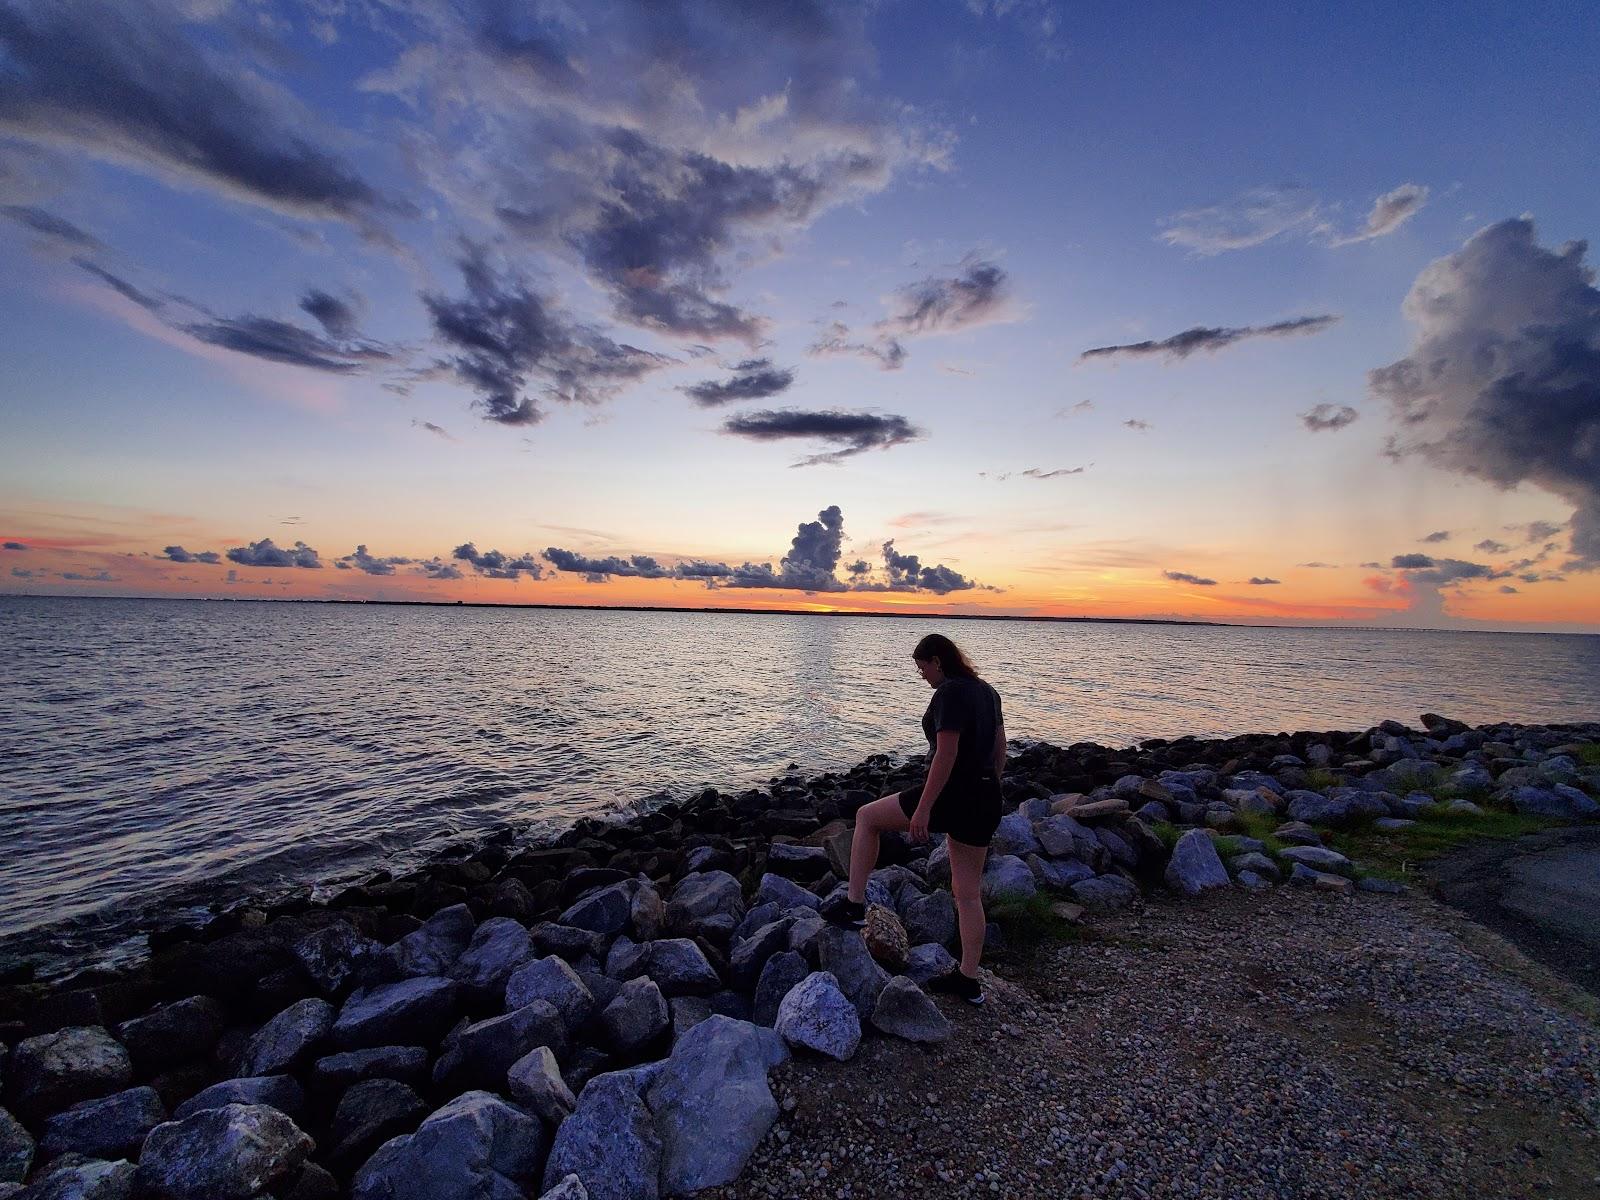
(607, 911)
(536, 1084)
(172, 1034)
(499, 946)
(785, 893)
(566, 941)
(16, 1149)
(711, 1102)
(482, 1053)
(1318, 858)
(408, 1064)
(369, 1114)
(817, 1016)
(1316, 809)
(277, 1091)
(1014, 836)
(930, 918)
(781, 972)
(552, 980)
(609, 1142)
(286, 1042)
(928, 962)
(1195, 866)
(1055, 874)
(1007, 877)
(437, 946)
(679, 967)
(807, 863)
(477, 1147)
(637, 1017)
(843, 954)
(91, 1179)
(113, 1126)
(750, 954)
(707, 902)
(56, 1070)
(337, 958)
(1561, 802)
(905, 1011)
(229, 1153)
(1104, 893)
(410, 1012)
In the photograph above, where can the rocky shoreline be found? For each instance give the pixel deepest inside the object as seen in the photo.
(599, 1016)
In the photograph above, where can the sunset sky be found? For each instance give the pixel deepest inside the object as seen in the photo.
(1240, 312)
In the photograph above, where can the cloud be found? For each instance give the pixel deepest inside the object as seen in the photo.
(1138, 426)
(1185, 577)
(1330, 566)
(1210, 339)
(979, 295)
(121, 286)
(1325, 417)
(835, 341)
(600, 570)
(437, 568)
(1389, 211)
(436, 430)
(126, 85)
(340, 318)
(1263, 581)
(47, 225)
(179, 555)
(265, 554)
(1249, 219)
(1038, 473)
(1080, 406)
(1490, 546)
(1503, 376)
(16, 546)
(1441, 571)
(97, 577)
(1538, 531)
(1438, 535)
(752, 379)
(1508, 589)
(504, 334)
(497, 565)
(907, 574)
(281, 342)
(852, 432)
(362, 561)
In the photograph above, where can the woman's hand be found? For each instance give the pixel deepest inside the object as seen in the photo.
(919, 823)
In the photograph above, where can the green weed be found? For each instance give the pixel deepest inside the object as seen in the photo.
(1028, 924)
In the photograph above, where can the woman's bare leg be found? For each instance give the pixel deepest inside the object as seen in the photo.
(966, 881)
(871, 820)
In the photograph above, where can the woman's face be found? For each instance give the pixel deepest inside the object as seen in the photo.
(930, 670)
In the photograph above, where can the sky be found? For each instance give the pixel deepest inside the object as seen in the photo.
(1238, 312)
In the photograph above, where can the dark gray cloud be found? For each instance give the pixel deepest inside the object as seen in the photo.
(906, 573)
(121, 286)
(16, 546)
(1333, 566)
(860, 567)
(179, 555)
(437, 568)
(1438, 535)
(266, 554)
(1325, 417)
(699, 569)
(1211, 339)
(436, 430)
(97, 577)
(1490, 546)
(1389, 211)
(23, 573)
(1138, 426)
(497, 565)
(48, 225)
(752, 379)
(340, 318)
(1538, 531)
(1508, 589)
(810, 564)
(505, 334)
(281, 342)
(979, 295)
(852, 432)
(1441, 572)
(1263, 581)
(1185, 577)
(1503, 379)
(362, 561)
(126, 83)
(1037, 473)
(600, 570)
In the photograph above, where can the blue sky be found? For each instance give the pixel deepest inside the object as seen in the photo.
(673, 190)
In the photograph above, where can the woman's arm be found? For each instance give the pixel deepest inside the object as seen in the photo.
(999, 750)
(947, 742)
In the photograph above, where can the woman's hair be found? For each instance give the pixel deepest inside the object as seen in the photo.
(953, 662)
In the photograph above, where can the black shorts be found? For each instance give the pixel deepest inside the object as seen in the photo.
(967, 810)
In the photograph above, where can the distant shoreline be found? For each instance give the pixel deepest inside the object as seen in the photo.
(795, 612)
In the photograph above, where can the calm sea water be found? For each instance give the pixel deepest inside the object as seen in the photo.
(176, 751)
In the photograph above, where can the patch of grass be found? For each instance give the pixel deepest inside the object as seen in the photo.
(1029, 924)
(1168, 833)
(1395, 854)
(1261, 827)
(1588, 755)
(1320, 779)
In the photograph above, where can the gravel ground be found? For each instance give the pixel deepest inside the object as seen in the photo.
(1284, 1043)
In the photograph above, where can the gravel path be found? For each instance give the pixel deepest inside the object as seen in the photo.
(1276, 1044)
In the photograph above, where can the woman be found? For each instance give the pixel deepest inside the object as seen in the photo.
(960, 798)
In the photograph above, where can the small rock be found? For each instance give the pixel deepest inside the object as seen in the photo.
(816, 1015)
(905, 1011)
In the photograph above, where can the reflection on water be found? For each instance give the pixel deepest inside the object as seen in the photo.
(154, 745)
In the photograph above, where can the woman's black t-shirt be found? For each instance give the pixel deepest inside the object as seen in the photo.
(970, 705)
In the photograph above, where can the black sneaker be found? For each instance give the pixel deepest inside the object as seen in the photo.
(954, 983)
(844, 912)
